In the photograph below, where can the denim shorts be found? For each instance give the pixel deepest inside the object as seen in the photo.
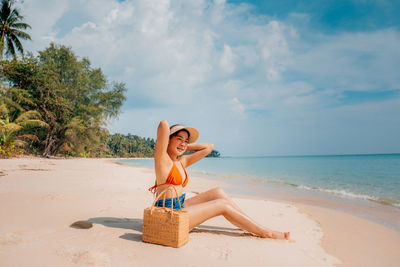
(168, 201)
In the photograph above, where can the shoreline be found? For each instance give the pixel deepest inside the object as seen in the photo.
(42, 197)
(374, 211)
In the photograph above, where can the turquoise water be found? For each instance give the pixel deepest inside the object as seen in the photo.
(369, 177)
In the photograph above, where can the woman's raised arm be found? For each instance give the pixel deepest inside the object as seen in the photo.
(201, 150)
(160, 150)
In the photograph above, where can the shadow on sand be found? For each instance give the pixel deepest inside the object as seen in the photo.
(123, 223)
(137, 225)
(220, 231)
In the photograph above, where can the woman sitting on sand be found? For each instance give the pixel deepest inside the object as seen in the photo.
(170, 166)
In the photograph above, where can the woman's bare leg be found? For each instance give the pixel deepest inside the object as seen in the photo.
(198, 213)
(212, 194)
(217, 193)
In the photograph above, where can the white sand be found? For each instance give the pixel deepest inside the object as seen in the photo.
(40, 198)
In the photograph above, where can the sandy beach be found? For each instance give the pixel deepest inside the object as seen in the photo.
(41, 198)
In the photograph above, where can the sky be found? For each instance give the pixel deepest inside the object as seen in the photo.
(256, 78)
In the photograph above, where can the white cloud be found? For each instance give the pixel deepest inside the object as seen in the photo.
(237, 108)
(42, 16)
(272, 75)
(227, 59)
(347, 61)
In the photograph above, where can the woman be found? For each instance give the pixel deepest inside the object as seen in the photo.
(170, 167)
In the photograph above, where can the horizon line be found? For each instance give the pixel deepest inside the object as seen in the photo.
(316, 155)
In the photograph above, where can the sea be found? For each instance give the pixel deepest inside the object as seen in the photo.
(365, 185)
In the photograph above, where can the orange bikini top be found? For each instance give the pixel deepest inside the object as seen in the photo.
(174, 178)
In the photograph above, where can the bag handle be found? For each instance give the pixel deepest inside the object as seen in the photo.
(163, 194)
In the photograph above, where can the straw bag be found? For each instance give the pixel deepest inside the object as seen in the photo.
(166, 226)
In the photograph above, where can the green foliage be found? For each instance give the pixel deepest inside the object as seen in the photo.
(214, 154)
(120, 145)
(9, 151)
(11, 29)
(74, 99)
(14, 131)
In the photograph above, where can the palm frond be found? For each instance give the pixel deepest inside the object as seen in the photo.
(33, 123)
(19, 143)
(14, 14)
(13, 104)
(28, 136)
(21, 25)
(3, 110)
(10, 47)
(10, 128)
(5, 10)
(12, 18)
(17, 43)
(28, 115)
(20, 34)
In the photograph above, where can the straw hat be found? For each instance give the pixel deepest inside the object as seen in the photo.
(194, 133)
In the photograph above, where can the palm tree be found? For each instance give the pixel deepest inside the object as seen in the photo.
(10, 130)
(11, 28)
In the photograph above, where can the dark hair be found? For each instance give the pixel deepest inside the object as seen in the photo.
(176, 133)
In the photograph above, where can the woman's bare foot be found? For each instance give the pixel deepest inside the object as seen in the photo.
(277, 235)
(287, 235)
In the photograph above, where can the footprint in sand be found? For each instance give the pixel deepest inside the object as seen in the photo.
(12, 238)
(85, 257)
(220, 254)
(105, 209)
(27, 168)
(51, 197)
(223, 255)
(48, 162)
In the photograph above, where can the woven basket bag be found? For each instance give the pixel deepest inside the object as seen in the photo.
(165, 226)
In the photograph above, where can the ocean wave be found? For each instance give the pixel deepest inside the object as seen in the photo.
(340, 192)
(349, 194)
(337, 192)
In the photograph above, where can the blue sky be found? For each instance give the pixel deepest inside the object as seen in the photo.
(332, 16)
(255, 77)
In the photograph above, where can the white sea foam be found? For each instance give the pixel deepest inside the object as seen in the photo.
(349, 194)
(340, 192)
